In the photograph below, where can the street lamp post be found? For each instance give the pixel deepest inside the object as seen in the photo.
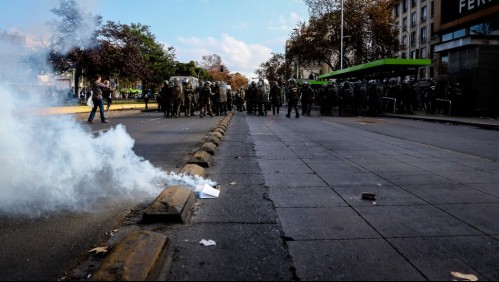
(341, 48)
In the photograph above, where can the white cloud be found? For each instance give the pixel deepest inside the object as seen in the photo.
(237, 55)
(285, 23)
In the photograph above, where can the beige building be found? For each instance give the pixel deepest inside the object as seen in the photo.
(415, 21)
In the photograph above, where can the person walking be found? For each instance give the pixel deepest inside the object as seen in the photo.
(97, 95)
(147, 94)
(108, 94)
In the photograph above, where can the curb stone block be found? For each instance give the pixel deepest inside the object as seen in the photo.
(213, 139)
(140, 256)
(201, 158)
(174, 204)
(209, 148)
(194, 169)
(217, 134)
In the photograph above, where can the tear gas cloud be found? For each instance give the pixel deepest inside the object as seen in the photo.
(52, 163)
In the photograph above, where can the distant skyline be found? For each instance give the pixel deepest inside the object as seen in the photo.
(243, 33)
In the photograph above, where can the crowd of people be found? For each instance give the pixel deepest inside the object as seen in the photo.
(340, 98)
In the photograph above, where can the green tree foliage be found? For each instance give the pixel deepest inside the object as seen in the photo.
(129, 52)
(273, 69)
(368, 29)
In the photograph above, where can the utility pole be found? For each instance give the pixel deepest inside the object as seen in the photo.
(341, 48)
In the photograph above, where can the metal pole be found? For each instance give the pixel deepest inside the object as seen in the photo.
(341, 51)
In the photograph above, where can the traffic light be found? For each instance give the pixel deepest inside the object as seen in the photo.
(221, 68)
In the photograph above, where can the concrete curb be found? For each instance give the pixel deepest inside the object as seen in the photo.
(143, 255)
(193, 169)
(201, 158)
(209, 148)
(140, 256)
(174, 204)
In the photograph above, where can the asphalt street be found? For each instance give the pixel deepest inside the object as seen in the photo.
(291, 205)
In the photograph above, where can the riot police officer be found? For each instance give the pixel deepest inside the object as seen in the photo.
(275, 97)
(292, 96)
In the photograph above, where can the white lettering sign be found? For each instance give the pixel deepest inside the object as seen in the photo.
(470, 5)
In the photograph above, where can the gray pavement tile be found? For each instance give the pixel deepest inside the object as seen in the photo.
(483, 216)
(294, 180)
(235, 149)
(413, 221)
(231, 164)
(449, 194)
(491, 189)
(236, 203)
(393, 166)
(468, 176)
(250, 253)
(490, 166)
(277, 155)
(324, 224)
(350, 260)
(414, 178)
(438, 257)
(337, 168)
(306, 197)
(324, 159)
(360, 154)
(270, 146)
(283, 166)
(348, 178)
(386, 195)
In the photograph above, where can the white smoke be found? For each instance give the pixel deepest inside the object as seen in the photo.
(52, 162)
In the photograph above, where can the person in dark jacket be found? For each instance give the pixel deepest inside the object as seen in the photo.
(98, 90)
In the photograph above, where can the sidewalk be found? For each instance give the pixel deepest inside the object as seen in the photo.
(482, 122)
(86, 109)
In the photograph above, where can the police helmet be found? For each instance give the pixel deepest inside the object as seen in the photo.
(185, 81)
(292, 81)
(207, 83)
(372, 82)
(393, 80)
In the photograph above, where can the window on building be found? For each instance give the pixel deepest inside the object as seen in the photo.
(413, 38)
(397, 10)
(414, 3)
(405, 5)
(444, 64)
(424, 34)
(424, 53)
(404, 24)
(414, 19)
(424, 14)
(414, 54)
(459, 33)
(405, 40)
(432, 8)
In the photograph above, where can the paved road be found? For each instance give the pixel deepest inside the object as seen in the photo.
(291, 209)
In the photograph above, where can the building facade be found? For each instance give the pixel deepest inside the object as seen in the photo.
(461, 37)
(415, 21)
(468, 50)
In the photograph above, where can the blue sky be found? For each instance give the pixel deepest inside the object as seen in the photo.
(243, 32)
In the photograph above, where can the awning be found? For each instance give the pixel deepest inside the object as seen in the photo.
(380, 68)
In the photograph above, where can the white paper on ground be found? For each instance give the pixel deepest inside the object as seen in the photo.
(207, 242)
(208, 192)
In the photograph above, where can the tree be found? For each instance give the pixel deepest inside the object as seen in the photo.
(369, 33)
(273, 69)
(72, 38)
(211, 62)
